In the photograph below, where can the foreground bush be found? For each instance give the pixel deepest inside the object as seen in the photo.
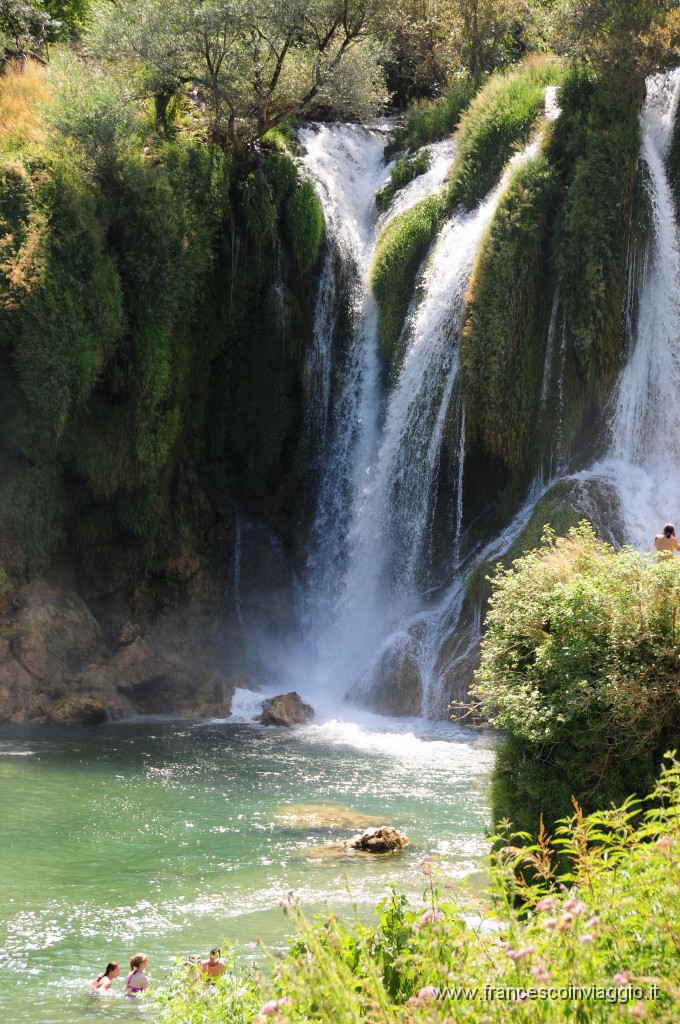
(594, 942)
(580, 667)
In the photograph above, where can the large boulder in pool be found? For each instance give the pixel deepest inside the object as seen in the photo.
(79, 709)
(383, 839)
(286, 709)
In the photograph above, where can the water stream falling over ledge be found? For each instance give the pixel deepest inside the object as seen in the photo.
(383, 590)
(372, 559)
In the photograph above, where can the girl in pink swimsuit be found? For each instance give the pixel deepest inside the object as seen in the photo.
(136, 981)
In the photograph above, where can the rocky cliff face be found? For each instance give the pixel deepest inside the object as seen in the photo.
(57, 664)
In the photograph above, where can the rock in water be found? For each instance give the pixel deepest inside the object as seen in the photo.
(383, 839)
(79, 709)
(286, 709)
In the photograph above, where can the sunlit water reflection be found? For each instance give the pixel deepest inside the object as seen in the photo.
(167, 837)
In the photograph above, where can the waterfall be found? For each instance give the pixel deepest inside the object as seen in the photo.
(645, 423)
(385, 600)
(347, 166)
(372, 560)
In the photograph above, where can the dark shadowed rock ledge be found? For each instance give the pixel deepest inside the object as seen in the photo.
(58, 665)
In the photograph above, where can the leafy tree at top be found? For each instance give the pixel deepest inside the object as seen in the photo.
(249, 63)
(636, 36)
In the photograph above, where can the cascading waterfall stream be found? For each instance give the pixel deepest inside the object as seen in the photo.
(371, 558)
(640, 463)
(347, 166)
(376, 590)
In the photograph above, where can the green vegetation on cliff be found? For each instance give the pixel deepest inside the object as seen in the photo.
(138, 301)
(592, 239)
(503, 342)
(579, 667)
(560, 233)
(432, 120)
(500, 119)
(400, 250)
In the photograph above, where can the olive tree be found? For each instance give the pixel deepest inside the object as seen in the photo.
(248, 64)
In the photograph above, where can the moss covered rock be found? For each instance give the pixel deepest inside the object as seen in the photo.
(399, 252)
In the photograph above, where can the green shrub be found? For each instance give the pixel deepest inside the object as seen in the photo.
(579, 665)
(398, 254)
(431, 120)
(501, 117)
(503, 341)
(305, 225)
(405, 169)
(97, 112)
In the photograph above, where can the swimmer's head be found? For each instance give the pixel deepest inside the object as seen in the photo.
(215, 952)
(669, 530)
(138, 960)
(112, 970)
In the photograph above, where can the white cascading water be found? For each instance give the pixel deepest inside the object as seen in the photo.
(641, 462)
(378, 497)
(347, 165)
(365, 596)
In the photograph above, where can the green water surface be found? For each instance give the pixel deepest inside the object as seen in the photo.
(167, 838)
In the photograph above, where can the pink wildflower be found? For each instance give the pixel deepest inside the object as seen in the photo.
(593, 922)
(547, 903)
(285, 1001)
(269, 1008)
(622, 978)
(540, 973)
(429, 992)
(588, 937)
(566, 923)
(550, 922)
(426, 862)
(637, 1011)
(574, 906)
(431, 917)
(524, 951)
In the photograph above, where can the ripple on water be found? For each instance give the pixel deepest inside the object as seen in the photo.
(168, 840)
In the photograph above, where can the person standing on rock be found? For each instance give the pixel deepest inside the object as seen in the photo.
(666, 543)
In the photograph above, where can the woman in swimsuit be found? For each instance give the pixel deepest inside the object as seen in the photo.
(667, 542)
(136, 981)
(103, 982)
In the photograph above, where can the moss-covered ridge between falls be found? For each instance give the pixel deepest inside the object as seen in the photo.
(498, 120)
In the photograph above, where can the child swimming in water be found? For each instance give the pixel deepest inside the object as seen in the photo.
(104, 981)
(136, 981)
